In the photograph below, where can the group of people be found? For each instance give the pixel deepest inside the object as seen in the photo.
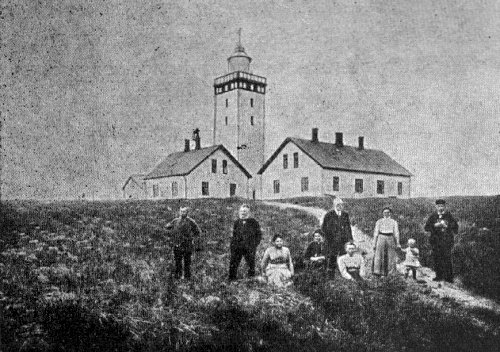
(332, 246)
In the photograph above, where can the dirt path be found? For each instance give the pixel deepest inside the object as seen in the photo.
(439, 290)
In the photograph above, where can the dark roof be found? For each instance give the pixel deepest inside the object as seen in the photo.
(136, 178)
(182, 163)
(346, 158)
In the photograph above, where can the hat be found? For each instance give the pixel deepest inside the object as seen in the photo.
(440, 201)
(337, 200)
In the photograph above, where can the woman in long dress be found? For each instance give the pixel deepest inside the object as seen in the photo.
(385, 242)
(277, 263)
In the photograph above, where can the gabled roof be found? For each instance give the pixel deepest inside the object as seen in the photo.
(345, 158)
(136, 178)
(182, 163)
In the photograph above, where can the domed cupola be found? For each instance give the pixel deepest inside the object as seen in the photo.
(239, 60)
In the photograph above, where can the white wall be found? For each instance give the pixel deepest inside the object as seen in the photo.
(190, 186)
(133, 191)
(290, 178)
(321, 181)
(346, 185)
(165, 187)
(218, 182)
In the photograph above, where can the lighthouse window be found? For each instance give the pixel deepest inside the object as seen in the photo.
(226, 120)
(251, 120)
(227, 103)
(251, 86)
(251, 102)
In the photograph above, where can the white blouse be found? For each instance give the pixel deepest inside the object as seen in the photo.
(386, 225)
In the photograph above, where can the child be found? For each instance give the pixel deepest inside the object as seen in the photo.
(315, 252)
(411, 261)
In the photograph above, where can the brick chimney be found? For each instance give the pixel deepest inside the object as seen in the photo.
(186, 145)
(339, 139)
(314, 137)
(361, 143)
(196, 138)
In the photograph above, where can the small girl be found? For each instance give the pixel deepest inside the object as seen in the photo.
(411, 261)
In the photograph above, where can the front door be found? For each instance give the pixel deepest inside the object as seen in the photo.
(232, 189)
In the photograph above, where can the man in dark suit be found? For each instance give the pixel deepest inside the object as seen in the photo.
(442, 227)
(246, 238)
(336, 228)
(183, 232)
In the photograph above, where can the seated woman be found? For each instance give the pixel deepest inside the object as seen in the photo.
(314, 255)
(351, 265)
(277, 263)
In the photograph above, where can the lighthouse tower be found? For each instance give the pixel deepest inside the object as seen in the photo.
(239, 110)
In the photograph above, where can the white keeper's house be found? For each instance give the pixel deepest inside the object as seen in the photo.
(210, 172)
(134, 187)
(301, 167)
(235, 164)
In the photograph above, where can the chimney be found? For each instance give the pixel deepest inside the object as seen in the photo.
(361, 143)
(196, 137)
(186, 145)
(314, 137)
(339, 139)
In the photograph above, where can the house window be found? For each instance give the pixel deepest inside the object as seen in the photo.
(224, 166)
(304, 184)
(226, 120)
(336, 183)
(251, 120)
(400, 188)
(276, 186)
(285, 161)
(251, 102)
(295, 160)
(380, 187)
(227, 103)
(156, 191)
(232, 189)
(214, 166)
(204, 188)
(358, 185)
(175, 189)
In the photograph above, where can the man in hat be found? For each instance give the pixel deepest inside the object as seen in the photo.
(183, 232)
(336, 228)
(442, 227)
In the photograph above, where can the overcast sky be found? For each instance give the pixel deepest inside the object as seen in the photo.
(93, 93)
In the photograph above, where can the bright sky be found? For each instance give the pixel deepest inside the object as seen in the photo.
(99, 91)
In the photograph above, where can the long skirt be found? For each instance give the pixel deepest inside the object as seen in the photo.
(278, 275)
(384, 258)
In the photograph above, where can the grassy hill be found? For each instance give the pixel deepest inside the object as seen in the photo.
(85, 276)
(478, 241)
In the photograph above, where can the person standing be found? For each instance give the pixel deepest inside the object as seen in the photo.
(412, 262)
(336, 228)
(385, 242)
(442, 227)
(184, 230)
(246, 237)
